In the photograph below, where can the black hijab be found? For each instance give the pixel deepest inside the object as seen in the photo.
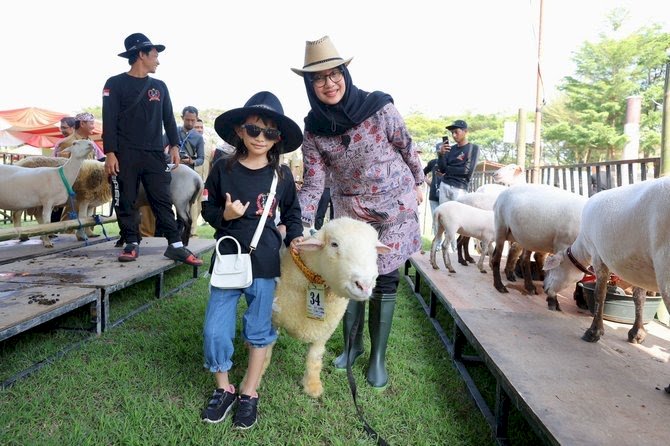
(355, 107)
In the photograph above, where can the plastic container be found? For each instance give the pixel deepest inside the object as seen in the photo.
(619, 306)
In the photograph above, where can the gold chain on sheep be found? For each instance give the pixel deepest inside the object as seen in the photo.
(311, 275)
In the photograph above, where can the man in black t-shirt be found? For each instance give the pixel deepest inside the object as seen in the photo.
(458, 163)
(135, 108)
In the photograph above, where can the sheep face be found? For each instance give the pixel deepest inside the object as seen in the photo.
(509, 174)
(560, 273)
(344, 253)
(80, 148)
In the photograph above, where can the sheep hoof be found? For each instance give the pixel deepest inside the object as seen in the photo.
(463, 262)
(502, 289)
(510, 276)
(24, 238)
(636, 336)
(531, 290)
(470, 260)
(591, 335)
(483, 271)
(313, 390)
(667, 389)
(552, 304)
(451, 270)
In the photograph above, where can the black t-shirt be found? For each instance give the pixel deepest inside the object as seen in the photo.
(435, 179)
(136, 127)
(459, 164)
(252, 186)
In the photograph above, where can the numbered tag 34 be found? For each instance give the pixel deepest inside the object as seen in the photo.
(316, 301)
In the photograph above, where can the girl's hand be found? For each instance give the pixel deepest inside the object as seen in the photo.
(293, 244)
(234, 209)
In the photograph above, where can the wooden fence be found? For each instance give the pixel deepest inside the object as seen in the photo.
(588, 178)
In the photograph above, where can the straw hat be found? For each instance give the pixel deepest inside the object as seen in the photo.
(320, 55)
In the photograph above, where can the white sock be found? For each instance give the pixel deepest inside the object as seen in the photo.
(177, 244)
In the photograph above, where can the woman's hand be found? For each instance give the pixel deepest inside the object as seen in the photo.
(419, 193)
(234, 209)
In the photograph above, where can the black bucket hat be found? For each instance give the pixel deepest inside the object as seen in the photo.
(263, 103)
(136, 42)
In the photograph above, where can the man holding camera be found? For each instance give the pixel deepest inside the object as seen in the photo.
(191, 142)
(458, 163)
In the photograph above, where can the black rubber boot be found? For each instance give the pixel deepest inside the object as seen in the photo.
(355, 310)
(379, 321)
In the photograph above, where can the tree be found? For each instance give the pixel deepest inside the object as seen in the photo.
(587, 125)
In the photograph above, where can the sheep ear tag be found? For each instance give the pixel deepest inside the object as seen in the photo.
(316, 301)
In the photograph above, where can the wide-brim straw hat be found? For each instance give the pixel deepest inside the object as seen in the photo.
(263, 103)
(320, 55)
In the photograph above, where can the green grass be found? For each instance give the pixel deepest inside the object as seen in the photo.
(143, 383)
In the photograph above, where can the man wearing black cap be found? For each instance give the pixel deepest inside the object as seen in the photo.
(135, 109)
(458, 163)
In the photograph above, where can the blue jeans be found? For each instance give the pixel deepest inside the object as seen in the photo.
(221, 319)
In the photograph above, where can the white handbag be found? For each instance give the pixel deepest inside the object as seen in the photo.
(233, 271)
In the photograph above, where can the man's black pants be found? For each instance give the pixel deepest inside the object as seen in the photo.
(149, 167)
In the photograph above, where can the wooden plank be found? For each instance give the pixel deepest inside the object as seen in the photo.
(24, 306)
(610, 392)
(15, 250)
(96, 266)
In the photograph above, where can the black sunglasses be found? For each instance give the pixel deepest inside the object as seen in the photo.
(270, 134)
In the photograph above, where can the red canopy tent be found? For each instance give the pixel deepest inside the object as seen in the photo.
(37, 127)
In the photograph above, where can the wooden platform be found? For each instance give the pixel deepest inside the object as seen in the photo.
(571, 391)
(24, 306)
(96, 266)
(14, 250)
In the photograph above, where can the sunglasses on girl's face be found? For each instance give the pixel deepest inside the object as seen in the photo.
(270, 134)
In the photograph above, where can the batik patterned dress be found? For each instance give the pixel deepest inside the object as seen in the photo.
(374, 169)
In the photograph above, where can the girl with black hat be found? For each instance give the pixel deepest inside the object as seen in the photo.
(238, 189)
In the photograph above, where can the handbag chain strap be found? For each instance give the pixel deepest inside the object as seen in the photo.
(266, 209)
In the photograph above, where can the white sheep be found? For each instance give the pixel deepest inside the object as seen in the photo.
(509, 175)
(540, 218)
(623, 230)
(454, 217)
(22, 188)
(484, 198)
(91, 189)
(479, 200)
(343, 253)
